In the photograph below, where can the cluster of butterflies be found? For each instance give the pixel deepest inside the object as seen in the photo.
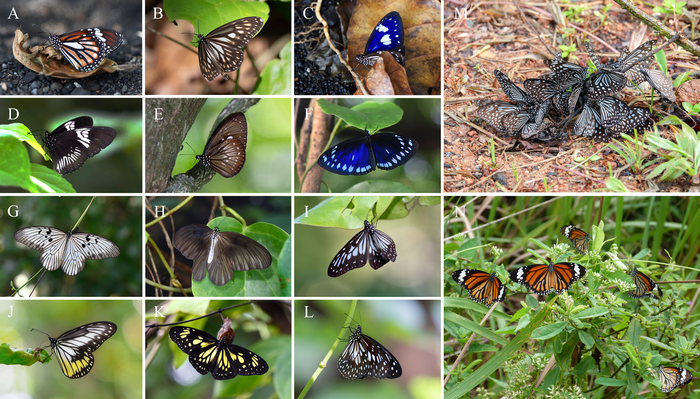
(74, 348)
(217, 356)
(219, 252)
(225, 149)
(569, 89)
(369, 245)
(386, 36)
(68, 251)
(542, 279)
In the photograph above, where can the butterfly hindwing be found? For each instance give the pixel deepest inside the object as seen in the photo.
(392, 150)
(74, 348)
(220, 50)
(225, 150)
(673, 377)
(365, 357)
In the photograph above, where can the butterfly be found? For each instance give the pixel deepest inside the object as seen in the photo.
(86, 48)
(482, 287)
(365, 357)
(76, 141)
(578, 237)
(74, 348)
(219, 252)
(65, 250)
(220, 50)
(545, 278)
(217, 355)
(673, 377)
(225, 150)
(386, 36)
(369, 244)
(644, 286)
(363, 155)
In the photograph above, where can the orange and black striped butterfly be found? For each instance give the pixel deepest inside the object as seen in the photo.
(545, 278)
(86, 48)
(673, 377)
(644, 286)
(578, 237)
(482, 287)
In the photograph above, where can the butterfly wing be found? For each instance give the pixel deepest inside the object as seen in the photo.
(602, 83)
(579, 238)
(50, 241)
(76, 141)
(201, 347)
(236, 252)
(233, 360)
(81, 246)
(350, 157)
(545, 278)
(74, 348)
(194, 242)
(382, 247)
(220, 50)
(387, 35)
(660, 82)
(352, 256)
(644, 285)
(225, 151)
(86, 48)
(392, 150)
(365, 357)
(513, 92)
(673, 377)
(482, 287)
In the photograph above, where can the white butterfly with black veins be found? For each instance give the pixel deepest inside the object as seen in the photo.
(220, 50)
(368, 245)
(219, 252)
(65, 250)
(75, 141)
(74, 348)
(364, 357)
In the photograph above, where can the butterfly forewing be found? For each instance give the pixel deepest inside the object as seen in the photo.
(86, 48)
(482, 287)
(219, 252)
(370, 245)
(67, 251)
(392, 150)
(365, 357)
(74, 348)
(387, 35)
(225, 150)
(545, 278)
(673, 377)
(220, 50)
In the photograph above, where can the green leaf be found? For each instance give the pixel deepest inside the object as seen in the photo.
(593, 312)
(282, 379)
(21, 132)
(610, 382)
(379, 186)
(284, 266)
(616, 185)
(368, 115)
(549, 331)
(276, 77)
(22, 357)
(46, 180)
(15, 167)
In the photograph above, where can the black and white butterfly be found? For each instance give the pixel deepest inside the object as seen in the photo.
(362, 155)
(75, 141)
(386, 36)
(225, 150)
(217, 355)
(370, 245)
(219, 252)
(86, 48)
(364, 357)
(74, 348)
(220, 50)
(65, 250)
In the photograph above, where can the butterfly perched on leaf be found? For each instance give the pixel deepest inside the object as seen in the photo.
(364, 357)
(579, 238)
(645, 287)
(217, 356)
(225, 150)
(370, 245)
(362, 155)
(482, 287)
(672, 377)
(219, 252)
(74, 348)
(387, 35)
(75, 141)
(86, 48)
(545, 278)
(220, 50)
(65, 250)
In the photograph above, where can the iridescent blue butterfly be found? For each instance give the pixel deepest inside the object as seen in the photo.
(362, 155)
(386, 36)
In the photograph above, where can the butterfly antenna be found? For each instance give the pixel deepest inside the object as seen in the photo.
(188, 144)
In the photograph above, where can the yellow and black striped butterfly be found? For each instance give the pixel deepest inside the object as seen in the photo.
(545, 278)
(673, 377)
(74, 348)
(482, 287)
(644, 286)
(217, 355)
(578, 237)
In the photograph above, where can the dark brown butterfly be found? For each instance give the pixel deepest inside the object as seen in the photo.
(225, 150)
(219, 252)
(220, 50)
